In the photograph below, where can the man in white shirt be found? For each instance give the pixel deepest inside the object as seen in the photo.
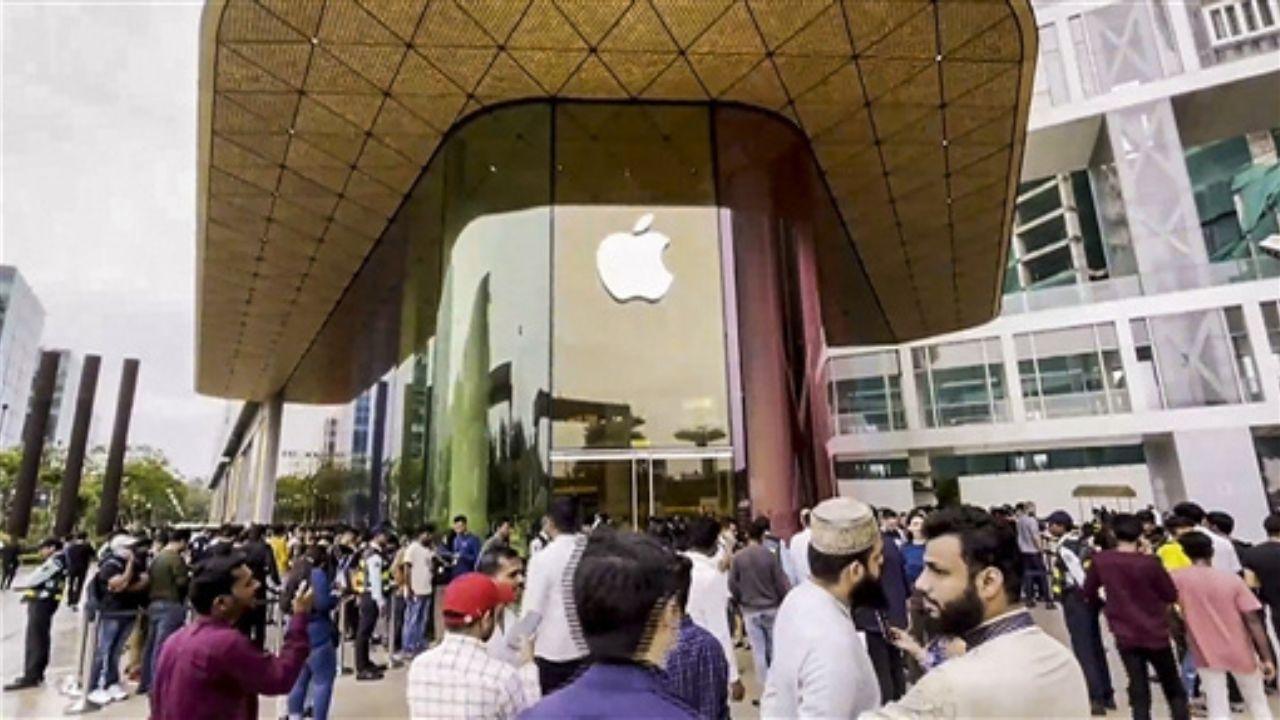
(708, 603)
(504, 566)
(1225, 556)
(820, 666)
(558, 647)
(458, 678)
(798, 551)
(419, 558)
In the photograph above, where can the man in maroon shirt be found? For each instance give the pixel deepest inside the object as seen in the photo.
(209, 669)
(1138, 593)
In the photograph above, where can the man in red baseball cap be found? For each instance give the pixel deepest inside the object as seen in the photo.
(458, 677)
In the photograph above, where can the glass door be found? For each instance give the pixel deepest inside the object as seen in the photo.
(631, 487)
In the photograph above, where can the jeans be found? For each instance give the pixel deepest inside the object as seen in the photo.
(414, 635)
(317, 678)
(1135, 666)
(113, 633)
(1215, 694)
(165, 617)
(1086, 643)
(760, 634)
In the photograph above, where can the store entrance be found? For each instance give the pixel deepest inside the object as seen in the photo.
(633, 486)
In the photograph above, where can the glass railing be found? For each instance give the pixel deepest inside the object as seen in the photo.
(1081, 404)
(1228, 272)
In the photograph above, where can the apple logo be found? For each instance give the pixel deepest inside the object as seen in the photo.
(630, 264)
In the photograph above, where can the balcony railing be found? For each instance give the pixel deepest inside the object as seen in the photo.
(1220, 273)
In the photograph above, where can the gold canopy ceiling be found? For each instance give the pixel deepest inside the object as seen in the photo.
(318, 115)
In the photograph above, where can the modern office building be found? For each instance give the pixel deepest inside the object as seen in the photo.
(21, 324)
(63, 407)
(1137, 356)
(602, 246)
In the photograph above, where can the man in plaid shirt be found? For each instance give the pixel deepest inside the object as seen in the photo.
(458, 678)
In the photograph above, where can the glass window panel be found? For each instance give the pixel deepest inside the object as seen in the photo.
(1107, 337)
(630, 372)
(1047, 233)
(1271, 318)
(491, 368)
(1196, 361)
(1264, 10)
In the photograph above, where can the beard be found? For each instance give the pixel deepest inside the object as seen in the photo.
(868, 594)
(958, 616)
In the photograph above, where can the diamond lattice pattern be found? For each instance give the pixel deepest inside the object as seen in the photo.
(325, 111)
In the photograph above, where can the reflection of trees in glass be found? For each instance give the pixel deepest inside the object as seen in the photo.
(468, 417)
(333, 492)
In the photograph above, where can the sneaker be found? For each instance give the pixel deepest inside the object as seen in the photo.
(118, 693)
(99, 697)
(364, 675)
(1097, 710)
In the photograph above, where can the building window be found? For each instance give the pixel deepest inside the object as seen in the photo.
(1051, 78)
(1234, 21)
(1246, 366)
(1197, 359)
(1072, 372)
(961, 383)
(1271, 318)
(867, 393)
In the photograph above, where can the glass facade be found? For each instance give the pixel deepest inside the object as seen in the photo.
(867, 393)
(961, 383)
(1071, 372)
(562, 294)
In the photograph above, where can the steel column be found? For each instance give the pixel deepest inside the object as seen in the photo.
(379, 417)
(33, 431)
(109, 508)
(69, 495)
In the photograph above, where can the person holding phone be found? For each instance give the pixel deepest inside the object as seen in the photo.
(210, 670)
(317, 678)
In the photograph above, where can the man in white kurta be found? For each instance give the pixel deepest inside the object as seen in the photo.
(820, 666)
(1011, 668)
(1023, 673)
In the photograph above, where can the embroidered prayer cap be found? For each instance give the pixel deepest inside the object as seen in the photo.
(843, 526)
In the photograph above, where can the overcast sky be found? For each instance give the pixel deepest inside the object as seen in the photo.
(98, 166)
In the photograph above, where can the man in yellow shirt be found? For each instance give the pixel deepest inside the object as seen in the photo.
(1171, 553)
(279, 547)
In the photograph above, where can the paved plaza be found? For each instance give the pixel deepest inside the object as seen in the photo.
(351, 699)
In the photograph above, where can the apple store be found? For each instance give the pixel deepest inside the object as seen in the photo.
(589, 285)
(601, 248)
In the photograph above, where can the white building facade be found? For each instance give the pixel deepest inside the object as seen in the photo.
(21, 324)
(1137, 356)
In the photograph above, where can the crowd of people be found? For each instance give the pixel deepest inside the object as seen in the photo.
(862, 613)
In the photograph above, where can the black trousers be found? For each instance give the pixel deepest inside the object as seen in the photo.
(1035, 579)
(1166, 667)
(39, 620)
(554, 675)
(364, 633)
(890, 670)
(1086, 643)
(10, 569)
(75, 586)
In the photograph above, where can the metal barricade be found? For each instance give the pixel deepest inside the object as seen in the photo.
(78, 686)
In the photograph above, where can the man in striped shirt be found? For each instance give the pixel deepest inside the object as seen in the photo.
(696, 670)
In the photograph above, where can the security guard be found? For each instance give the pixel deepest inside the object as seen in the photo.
(42, 593)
